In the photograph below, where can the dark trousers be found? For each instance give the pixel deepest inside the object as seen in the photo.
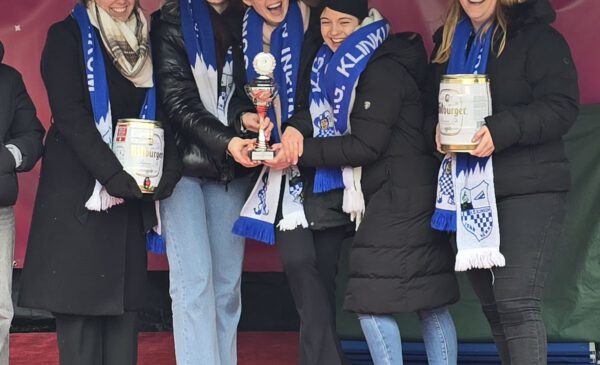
(310, 260)
(511, 296)
(97, 340)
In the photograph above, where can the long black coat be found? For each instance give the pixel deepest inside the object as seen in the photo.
(78, 261)
(20, 127)
(535, 100)
(397, 262)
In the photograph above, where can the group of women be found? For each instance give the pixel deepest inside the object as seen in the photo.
(354, 128)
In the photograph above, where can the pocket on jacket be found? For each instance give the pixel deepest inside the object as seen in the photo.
(81, 212)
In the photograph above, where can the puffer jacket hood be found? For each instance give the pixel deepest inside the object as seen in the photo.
(529, 12)
(408, 50)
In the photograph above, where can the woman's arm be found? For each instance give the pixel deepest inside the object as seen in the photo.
(72, 117)
(552, 76)
(178, 92)
(377, 106)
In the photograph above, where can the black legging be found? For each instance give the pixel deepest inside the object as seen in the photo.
(310, 260)
(511, 296)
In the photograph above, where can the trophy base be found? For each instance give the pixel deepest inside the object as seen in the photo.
(265, 155)
(458, 147)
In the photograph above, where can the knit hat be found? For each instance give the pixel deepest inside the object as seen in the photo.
(357, 8)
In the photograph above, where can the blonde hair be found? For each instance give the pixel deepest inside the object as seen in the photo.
(453, 17)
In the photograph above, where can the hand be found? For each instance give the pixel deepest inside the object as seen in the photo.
(167, 183)
(486, 144)
(251, 122)
(123, 185)
(239, 148)
(438, 144)
(280, 161)
(293, 144)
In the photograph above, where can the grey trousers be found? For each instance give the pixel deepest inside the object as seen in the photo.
(7, 245)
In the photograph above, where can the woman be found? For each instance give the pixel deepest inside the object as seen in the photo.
(21, 136)
(205, 258)
(397, 262)
(275, 211)
(535, 101)
(86, 257)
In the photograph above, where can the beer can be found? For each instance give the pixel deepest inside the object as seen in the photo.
(464, 102)
(139, 146)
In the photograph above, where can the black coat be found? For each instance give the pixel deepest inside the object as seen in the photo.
(200, 137)
(79, 261)
(397, 262)
(535, 100)
(20, 127)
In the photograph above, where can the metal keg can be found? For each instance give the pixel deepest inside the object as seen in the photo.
(139, 144)
(464, 102)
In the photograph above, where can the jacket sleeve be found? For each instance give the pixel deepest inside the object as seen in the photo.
(72, 117)
(377, 106)
(552, 76)
(26, 131)
(302, 121)
(177, 90)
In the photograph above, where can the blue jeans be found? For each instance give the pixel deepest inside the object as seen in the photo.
(205, 261)
(383, 337)
(7, 245)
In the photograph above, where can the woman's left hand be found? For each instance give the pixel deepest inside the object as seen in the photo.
(486, 146)
(280, 161)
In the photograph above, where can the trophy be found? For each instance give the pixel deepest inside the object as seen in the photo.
(262, 91)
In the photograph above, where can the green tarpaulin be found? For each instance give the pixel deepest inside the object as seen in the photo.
(572, 296)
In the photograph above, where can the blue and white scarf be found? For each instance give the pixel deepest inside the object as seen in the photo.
(198, 35)
(257, 219)
(466, 198)
(334, 79)
(97, 82)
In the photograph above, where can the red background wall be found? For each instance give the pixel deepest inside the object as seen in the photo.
(23, 26)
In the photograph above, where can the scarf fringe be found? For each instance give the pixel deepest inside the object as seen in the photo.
(327, 179)
(255, 229)
(479, 258)
(292, 221)
(444, 220)
(155, 242)
(101, 200)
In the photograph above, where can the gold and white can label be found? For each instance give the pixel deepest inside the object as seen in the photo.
(139, 144)
(464, 102)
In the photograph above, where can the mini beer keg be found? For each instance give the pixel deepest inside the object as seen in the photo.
(139, 146)
(464, 102)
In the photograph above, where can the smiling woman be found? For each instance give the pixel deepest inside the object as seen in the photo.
(121, 10)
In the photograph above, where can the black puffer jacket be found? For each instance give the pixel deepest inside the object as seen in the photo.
(20, 127)
(535, 100)
(201, 138)
(397, 262)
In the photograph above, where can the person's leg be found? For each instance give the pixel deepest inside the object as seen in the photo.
(7, 245)
(383, 337)
(120, 339)
(223, 207)
(328, 244)
(190, 273)
(79, 339)
(530, 227)
(318, 340)
(482, 283)
(439, 335)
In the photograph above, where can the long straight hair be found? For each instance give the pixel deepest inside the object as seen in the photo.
(454, 15)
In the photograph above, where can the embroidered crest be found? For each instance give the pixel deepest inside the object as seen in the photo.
(476, 212)
(367, 105)
(445, 184)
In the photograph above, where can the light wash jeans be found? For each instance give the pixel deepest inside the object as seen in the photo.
(205, 261)
(383, 337)
(7, 245)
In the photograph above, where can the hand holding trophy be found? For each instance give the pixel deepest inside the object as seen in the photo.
(262, 91)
